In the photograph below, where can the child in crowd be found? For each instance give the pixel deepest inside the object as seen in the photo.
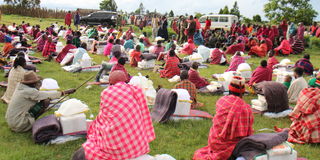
(287, 81)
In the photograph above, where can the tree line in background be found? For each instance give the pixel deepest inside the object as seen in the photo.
(275, 10)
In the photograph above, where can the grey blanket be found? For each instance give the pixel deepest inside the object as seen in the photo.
(275, 94)
(148, 56)
(45, 129)
(258, 144)
(165, 105)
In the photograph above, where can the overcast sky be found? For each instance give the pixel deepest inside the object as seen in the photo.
(248, 8)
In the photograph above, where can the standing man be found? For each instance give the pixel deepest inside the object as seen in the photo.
(68, 19)
(77, 19)
(155, 26)
(208, 25)
(192, 26)
(183, 24)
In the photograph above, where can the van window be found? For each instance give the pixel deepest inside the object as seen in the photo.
(202, 20)
(214, 19)
(224, 19)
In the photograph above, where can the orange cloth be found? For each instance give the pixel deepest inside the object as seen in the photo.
(285, 47)
(135, 58)
(260, 51)
(249, 29)
(7, 48)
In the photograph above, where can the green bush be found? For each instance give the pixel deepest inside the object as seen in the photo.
(148, 30)
(312, 41)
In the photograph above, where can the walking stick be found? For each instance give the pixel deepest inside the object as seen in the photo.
(65, 96)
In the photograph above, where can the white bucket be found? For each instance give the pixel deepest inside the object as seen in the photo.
(183, 102)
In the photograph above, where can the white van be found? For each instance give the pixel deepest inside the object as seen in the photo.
(219, 21)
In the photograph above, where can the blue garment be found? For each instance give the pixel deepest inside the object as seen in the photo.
(7, 39)
(129, 44)
(292, 29)
(77, 19)
(198, 39)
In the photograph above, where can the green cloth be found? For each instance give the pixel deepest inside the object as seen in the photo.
(36, 110)
(93, 33)
(313, 83)
(168, 46)
(76, 42)
(141, 47)
(287, 84)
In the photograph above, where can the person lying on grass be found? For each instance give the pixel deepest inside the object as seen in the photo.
(28, 103)
(232, 122)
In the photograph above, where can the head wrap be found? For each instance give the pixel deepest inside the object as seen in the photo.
(237, 85)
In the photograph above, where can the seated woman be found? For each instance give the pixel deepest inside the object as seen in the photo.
(297, 85)
(146, 40)
(272, 60)
(76, 39)
(129, 33)
(15, 77)
(158, 48)
(65, 51)
(232, 122)
(164, 55)
(315, 82)
(7, 46)
(142, 46)
(195, 78)
(305, 118)
(188, 48)
(217, 56)
(189, 86)
(108, 47)
(261, 50)
(251, 43)
(124, 120)
(117, 47)
(236, 47)
(28, 103)
(284, 48)
(135, 57)
(129, 44)
(198, 38)
(171, 67)
(41, 42)
(305, 64)
(236, 60)
(262, 73)
(49, 48)
(297, 46)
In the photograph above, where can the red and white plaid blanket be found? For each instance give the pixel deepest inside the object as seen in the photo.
(123, 127)
(305, 127)
(233, 121)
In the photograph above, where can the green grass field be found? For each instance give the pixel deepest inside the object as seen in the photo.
(179, 139)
